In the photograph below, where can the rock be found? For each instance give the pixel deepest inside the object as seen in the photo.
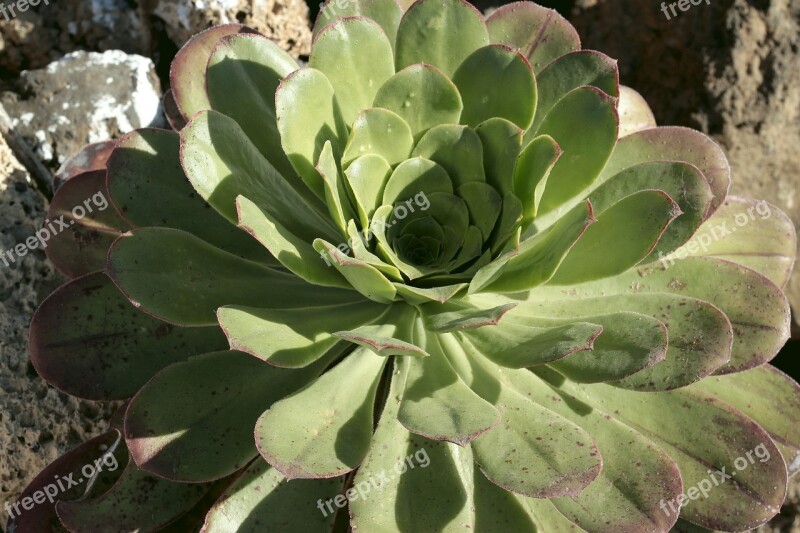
(284, 21)
(83, 98)
(730, 68)
(37, 422)
(46, 32)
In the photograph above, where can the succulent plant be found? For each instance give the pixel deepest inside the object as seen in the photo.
(449, 271)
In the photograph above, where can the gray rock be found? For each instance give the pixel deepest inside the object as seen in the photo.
(83, 98)
(730, 68)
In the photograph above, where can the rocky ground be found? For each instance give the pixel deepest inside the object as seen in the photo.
(78, 72)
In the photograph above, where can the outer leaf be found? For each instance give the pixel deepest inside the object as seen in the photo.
(261, 499)
(364, 277)
(187, 74)
(394, 334)
(533, 452)
(505, 87)
(438, 405)
(121, 347)
(613, 245)
(82, 247)
(673, 144)
(423, 96)
(765, 241)
(458, 318)
(193, 422)
(201, 278)
(634, 112)
(137, 502)
(90, 158)
(149, 188)
(356, 56)
(309, 115)
(292, 338)
(531, 172)
(426, 34)
(244, 72)
(541, 34)
(324, 430)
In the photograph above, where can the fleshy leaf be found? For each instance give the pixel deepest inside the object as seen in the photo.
(201, 278)
(426, 34)
(193, 422)
(540, 33)
(324, 430)
(422, 96)
(438, 405)
(364, 277)
(386, 13)
(261, 499)
(458, 318)
(456, 148)
(222, 164)
(531, 172)
(394, 334)
(244, 72)
(121, 347)
(505, 88)
(533, 451)
(502, 142)
(292, 338)
(380, 132)
(634, 113)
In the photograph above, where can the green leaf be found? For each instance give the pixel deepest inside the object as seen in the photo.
(201, 278)
(193, 422)
(261, 499)
(137, 502)
(292, 251)
(718, 437)
(586, 150)
(518, 345)
(364, 277)
(422, 96)
(438, 405)
(367, 177)
(484, 204)
(570, 71)
(541, 34)
(419, 296)
(406, 494)
(393, 334)
(292, 338)
(386, 13)
(531, 172)
(533, 451)
(456, 148)
(149, 188)
(455, 317)
(612, 245)
(309, 115)
(673, 143)
(244, 71)
(700, 335)
(358, 242)
(336, 195)
(770, 398)
(356, 56)
(426, 34)
(324, 430)
(380, 132)
(539, 256)
(222, 164)
(502, 142)
(414, 176)
(187, 76)
(683, 182)
(505, 87)
(624, 496)
(121, 347)
(765, 241)
(83, 247)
